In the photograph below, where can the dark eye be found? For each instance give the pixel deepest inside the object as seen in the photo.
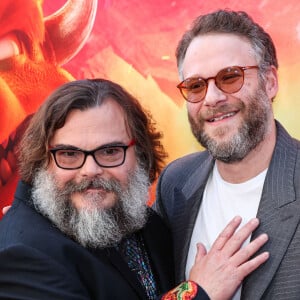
(195, 85)
(230, 76)
(67, 157)
(68, 153)
(111, 151)
(109, 154)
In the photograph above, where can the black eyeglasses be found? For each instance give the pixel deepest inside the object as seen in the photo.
(229, 80)
(108, 156)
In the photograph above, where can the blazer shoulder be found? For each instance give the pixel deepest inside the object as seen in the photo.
(188, 163)
(181, 169)
(37, 276)
(23, 225)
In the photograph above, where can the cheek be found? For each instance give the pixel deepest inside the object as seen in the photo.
(122, 173)
(61, 176)
(194, 111)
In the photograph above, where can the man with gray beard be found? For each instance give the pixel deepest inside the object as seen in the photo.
(251, 167)
(249, 134)
(80, 227)
(97, 227)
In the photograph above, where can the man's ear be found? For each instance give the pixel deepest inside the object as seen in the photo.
(271, 82)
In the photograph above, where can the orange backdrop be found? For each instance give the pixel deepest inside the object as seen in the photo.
(133, 42)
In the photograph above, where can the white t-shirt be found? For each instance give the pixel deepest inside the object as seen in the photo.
(221, 202)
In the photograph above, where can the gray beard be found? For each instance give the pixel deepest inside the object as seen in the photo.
(249, 135)
(96, 227)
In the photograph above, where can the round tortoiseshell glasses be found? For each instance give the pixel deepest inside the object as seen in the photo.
(228, 80)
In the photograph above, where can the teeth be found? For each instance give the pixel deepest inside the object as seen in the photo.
(222, 117)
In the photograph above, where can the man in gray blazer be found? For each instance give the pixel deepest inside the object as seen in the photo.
(251, 166)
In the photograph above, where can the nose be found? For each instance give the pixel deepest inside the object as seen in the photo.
(213, 94)
(90, 168)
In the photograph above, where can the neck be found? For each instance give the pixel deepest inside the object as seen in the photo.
(256, 161)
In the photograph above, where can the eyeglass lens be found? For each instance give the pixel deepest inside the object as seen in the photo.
(106, 157)
(228, 80)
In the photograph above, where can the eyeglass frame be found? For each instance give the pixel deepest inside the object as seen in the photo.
(181, 88)
(86, 153)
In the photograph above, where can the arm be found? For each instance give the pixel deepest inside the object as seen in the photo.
(218, 273)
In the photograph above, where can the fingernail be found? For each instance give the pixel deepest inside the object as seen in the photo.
(266, 254)
(264, 237)
(254, 221)
(237, 218)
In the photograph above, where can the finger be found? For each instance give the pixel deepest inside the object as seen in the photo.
(237, 239)
(226, 234)
(201, 252)
(248, 251)
(252, 264)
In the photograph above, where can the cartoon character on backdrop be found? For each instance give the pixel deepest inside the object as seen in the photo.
(32, 50)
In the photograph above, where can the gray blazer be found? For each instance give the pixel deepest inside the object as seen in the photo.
(179, 194)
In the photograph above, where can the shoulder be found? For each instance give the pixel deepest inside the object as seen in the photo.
(189, 159)
(180, 179)
(284, 139)
(156, 225)
(36, 275)
(36, 253)
(184, 171)
(186, 165)
(25, 227)
(286, 153)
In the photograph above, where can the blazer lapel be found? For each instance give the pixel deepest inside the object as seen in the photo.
(116, 260)
(278, 212)
(189, 198)
(158, 242)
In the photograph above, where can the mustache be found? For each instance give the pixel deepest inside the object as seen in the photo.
(221, 109)
(108, 185)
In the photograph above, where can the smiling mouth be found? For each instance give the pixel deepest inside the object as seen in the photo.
(222, 117)
(96, 190)
(93, 190)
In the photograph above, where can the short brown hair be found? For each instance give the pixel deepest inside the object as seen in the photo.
(235, 22)
(84, 94)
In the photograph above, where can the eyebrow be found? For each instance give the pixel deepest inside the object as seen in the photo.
(72, 147)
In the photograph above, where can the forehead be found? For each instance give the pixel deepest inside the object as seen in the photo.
(93, 127)
(209, 53)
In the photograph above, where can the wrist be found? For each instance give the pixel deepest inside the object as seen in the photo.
(186, 290)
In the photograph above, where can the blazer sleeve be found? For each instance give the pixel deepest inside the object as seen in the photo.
(26, 273)
(187, 290)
